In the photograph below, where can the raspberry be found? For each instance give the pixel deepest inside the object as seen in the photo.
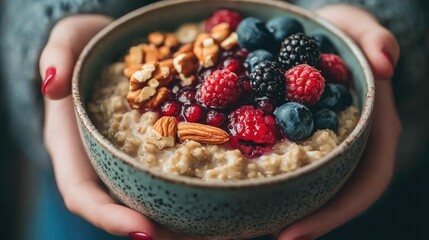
(215, 118)
(249, 124)
(334, 69)
(220, 89)
(233, 18)
(299, 49)
(268, 81)
(249, 149)
(193, 112)
(170, 108)
(304, 84)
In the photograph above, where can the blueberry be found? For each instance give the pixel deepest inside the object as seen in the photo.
(295, 120)
(335, 97)
(325, 44)
(252, 35)
(325, 119)
(283, 27)
(256, 57)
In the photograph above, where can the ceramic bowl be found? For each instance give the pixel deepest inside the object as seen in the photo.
(221, 210)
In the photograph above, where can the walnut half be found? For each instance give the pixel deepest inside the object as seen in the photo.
(147, 85)
(206, 49)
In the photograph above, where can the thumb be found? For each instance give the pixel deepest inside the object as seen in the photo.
(66, 41)
(382, 51)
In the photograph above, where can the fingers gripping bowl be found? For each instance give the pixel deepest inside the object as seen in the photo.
(238, 208)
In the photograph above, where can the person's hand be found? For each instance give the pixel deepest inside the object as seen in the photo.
(375, 169)
(85, 195)
(79, 186)
(82, 191)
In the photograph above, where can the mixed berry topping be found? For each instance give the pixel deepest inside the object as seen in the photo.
(256, 57)
(296, 120)
(325, 45)
(219, 89)
(299, 49)
(282, 27)
(325, 119)
(304, 84)
(171, 108)
(253, 35)
(193, 112)
(250, 124)
(334, 70)
(266, 105)
(186, 95)
(215, 118)
(253, 83)
(335, 97)
(231, 17)
(267, 80)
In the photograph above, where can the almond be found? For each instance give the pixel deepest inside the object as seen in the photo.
(166, 126)
(201, 133)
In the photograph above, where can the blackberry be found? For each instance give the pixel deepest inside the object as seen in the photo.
(299, 49)
(267, 80)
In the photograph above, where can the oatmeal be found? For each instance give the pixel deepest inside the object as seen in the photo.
(201, 105)
(132, 131)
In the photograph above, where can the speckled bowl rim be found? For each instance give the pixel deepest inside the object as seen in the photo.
(363, 122)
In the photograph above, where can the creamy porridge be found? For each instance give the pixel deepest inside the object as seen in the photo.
(142, 105)
(131, 131)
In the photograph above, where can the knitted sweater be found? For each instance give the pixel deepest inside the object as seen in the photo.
(26, 24)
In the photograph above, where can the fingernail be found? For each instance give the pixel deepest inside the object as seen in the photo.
(139, 236)
(306, 237)
(49, 75)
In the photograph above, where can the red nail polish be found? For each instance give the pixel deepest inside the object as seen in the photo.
(306, 237)
(49, 75)
(139, 236)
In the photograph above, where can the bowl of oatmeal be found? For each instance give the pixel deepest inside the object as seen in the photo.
(223, 119)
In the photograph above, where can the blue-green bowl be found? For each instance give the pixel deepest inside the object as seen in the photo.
(221, 210)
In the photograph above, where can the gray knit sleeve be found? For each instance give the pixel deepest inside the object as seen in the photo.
(403, 18)
(25, 27)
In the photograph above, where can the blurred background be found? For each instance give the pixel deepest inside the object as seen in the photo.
(402, 213)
